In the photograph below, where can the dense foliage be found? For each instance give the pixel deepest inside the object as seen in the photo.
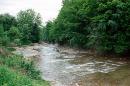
(94, 24)
(29, 24)
(23, 29)
(103, 25)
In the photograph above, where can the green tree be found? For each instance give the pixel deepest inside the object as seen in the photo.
(99, 24)
(4, 39)
(1, 34)
(29, 23)
(14, 33)
(7, 21)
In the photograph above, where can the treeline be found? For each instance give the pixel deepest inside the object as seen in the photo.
(22, 29)
(103, 25)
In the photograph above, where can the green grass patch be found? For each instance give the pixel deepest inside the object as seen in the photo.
(17, 71)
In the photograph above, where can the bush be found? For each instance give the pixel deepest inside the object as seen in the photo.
(14, 33)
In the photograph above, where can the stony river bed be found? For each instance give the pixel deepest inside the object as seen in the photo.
(64, 66)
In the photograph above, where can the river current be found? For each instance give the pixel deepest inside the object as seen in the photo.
(64, 66)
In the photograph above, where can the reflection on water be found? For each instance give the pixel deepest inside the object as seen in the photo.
(70, 67)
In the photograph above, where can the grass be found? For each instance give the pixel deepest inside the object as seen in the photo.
(17, 71)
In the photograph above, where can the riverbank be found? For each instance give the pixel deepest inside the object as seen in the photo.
(15, 70)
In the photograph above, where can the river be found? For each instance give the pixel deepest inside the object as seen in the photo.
(64, 66)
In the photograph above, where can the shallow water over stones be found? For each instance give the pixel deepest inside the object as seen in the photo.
(64, 66)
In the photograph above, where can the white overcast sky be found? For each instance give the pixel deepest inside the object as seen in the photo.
(48, 9)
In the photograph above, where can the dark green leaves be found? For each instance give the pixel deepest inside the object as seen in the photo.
(100, 24)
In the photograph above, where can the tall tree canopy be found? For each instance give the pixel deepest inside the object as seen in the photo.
(99, 24)
(23, 29)
(29, 23)
(7, 21)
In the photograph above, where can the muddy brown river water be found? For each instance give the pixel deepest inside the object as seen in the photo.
(64, 66)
